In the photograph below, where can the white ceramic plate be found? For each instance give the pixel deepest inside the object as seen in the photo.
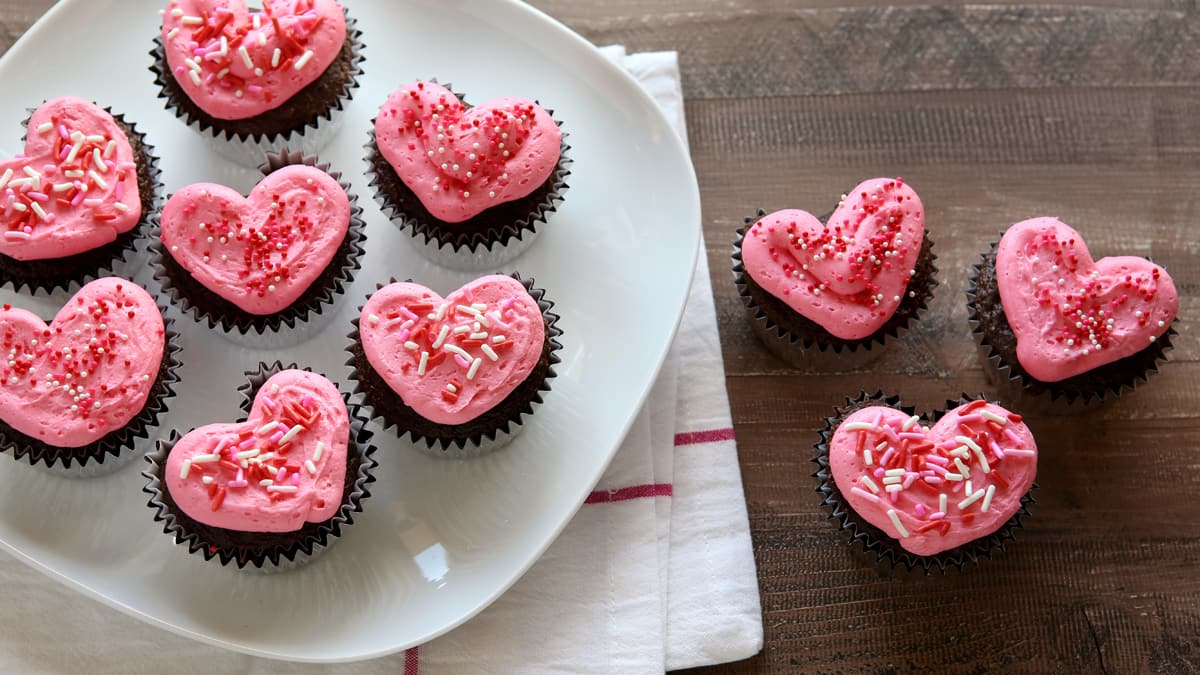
(439, 540)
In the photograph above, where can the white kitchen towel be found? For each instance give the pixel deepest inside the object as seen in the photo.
(655, 572)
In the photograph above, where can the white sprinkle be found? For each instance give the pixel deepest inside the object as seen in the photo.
(452, 389)
(866, 480)
(174, 31)
(497, 339)
(983, 461)
(193, 65)
(441, 313)
(477, 336)
(894, 472)
(303, 60)
(282, 488)
(489, 352)
(455, 349)
(44, 127)
(4, 179)
(266, 482)
(859, 426)
(207, 480)
(942, 502)
(97, 180)
(206, 459)
(441, 336)
(373, 319)
(266, 428)
(461, 329)
(971, 500)
(274, 389)
(191, 21)
(187, 468)
(962, 468)
(195, 77)
(967, 442)
(37, 208)
(317, 452)
(411, 346)
(247, 454)
(423, 363)
(312, 468)
(989, 415)
(867, 458)
(474, 368)
(909, 422)
(953, 476)
(246, 57)
(110, 149)
(893, 480)
(987, 499)
(292, 433)
(275, 58)
(896, 521)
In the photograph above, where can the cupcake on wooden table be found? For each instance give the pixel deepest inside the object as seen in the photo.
(262, 267)
(1062, 330)
(255, 81)
(927, 492)
(457, 373)
(470, 183)
(73, 202)
(830, 294)
(272, 491)
(78, 393)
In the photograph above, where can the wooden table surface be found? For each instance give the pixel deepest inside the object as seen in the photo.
(995, 113)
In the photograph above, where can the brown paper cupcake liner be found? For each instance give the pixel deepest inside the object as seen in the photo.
(875, 541)
(469, 439)
(511, 226)
(248, 147)
(301, 317)
(997, 349)
(265, 551)
(803, 343)
(118, 447)
(59, 274)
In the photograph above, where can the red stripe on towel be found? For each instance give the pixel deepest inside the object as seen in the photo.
(412, 661)
(627, 493)
(710, 436)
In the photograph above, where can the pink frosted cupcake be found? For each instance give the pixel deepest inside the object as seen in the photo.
(1055, 324)
(469, 182)
(273, 490)
(829, 294)
(255, 81)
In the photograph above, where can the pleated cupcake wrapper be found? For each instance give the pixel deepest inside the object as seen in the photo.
(303, 318)
(112, 259)
(278, 558)
(479, 444)
(1051, 397)
(808, 353)
(248, 149)
(875, 541)
(117, 448)
(475, 251)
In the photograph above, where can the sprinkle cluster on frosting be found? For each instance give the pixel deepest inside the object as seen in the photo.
(262, 458)
(237, 64)
(936, 488)
(75, 187)
(90, 371)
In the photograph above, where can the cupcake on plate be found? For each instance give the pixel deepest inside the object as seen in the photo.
(470, 183)
(830, 294)
(272, 491)
(252, 265)
(1062, 330)
(929, 493)
(77, 394)
(255, 81)
(456, 373)
(73, 202)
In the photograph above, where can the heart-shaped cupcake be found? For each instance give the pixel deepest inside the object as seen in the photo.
(1070, 314)
(73, 189)
(235, 64)
(461, 160)
(934, 488)
(850, 274)
(86, 374)
(283, 467)
(262, 252)
(453, 359)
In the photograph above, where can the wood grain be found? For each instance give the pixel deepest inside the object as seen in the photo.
(994, 113)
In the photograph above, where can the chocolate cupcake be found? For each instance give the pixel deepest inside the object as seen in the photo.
(1063, 331)
(929, 494)
(274, 490)
(470, 183)
(77, 395)
(256, 81)
(251, 265)
(75, 200)
(829, 295)
(456, 373)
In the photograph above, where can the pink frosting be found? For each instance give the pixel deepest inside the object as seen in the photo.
(850, 274)
(493, 321)
(86, 374)
(73, 189)
(235, 63)
(461, 160)
(260, 253)
(872, 441)
(1070, 314)
(299, 427)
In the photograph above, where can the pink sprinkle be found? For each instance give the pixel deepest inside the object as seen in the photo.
(937, 459)
(938, 468)
(968, 419)
(62, 155)
(62, 132)
(927, 472)
(887, 456)
(208, 79)
(509, 303)
(246, 444)
(179, 70)
(295, 480)
(950, 444)
(14, 236)
(891, 434)
(461, 361)
(404, 311)
(934, 480)
(237, 484)
(240, 476)
(996, 449)
(912, 436)
(254, 89)
(77, 199)
(269, 403)
(405, 334)
(277, 437)
(119, 193)
(937, 515)
(908, 480)
(920, 509)
(221, 445)
(879, 472)
(280, 475)
(307, 401)
(127, 166)
(49, 168)
(894, 496)
(1016, 440)
(49, 218)
(864, 494)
